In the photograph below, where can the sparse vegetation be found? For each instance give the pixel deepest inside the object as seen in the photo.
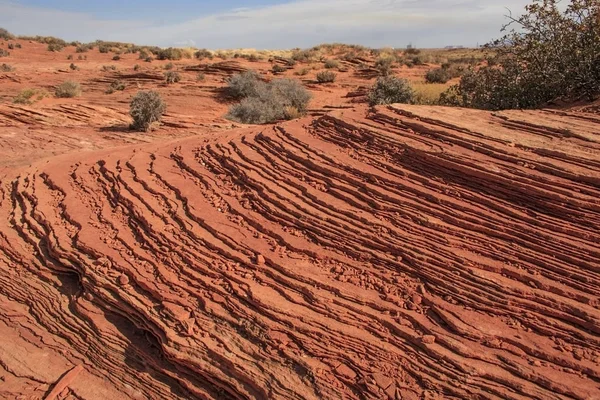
(6, 35)
(115, 86)
(4, 53)
(146, 108)
(172, 77)
(30, 96)
(169, 54)
(330, 63)
(104, 48)
(55, 47)
(302, 72)
(149, 59)
(84, 48)
(384, 65)
(143, 54)
(169, 66)
(389, 90)
(553, 53)
(278, 69)
(136, 67)
(68, 89)
(108, 68)
(326, 76)
(202, 54)
(73, 67)
(265, 103)
(116, 57)
(6, 68)
(200, 77)
(11, 46)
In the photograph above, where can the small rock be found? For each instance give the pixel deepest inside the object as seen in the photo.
(428, 339)
(345, 371)
(260, 259)
(88, 296)
(417, 299)
(537, 363)
(123, 279)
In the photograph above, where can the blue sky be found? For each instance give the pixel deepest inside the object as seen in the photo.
(263, 23)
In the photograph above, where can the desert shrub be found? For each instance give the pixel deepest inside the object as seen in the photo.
(83, 48)
(169, 54)
(68, 89)
(326, 76)
(6, 68)
(329, 64)
(146, 108)
(172, 77)
(278, 69)
(114, 86)
(302, 72)
(304, 56)
(18, 45)
(389, 90)
(418, 60)
(6, 35)
(104, 48)
(437, 75)
(149, 59)
(108, 68)
(243, 85)
(253, 58)
(169, 66)
(81, 58)
(73, 67)
(280, 99)
(201, 76)
(136, 67)
(55, 47)
(116, 57)
(30, 96)
(202, 54)
(70, 57)
(143, 54)
(384, 65)
(11, 46)
(554, 53)
(4, 53)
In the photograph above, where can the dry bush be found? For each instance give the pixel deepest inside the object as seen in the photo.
(108, 68)
(115, 86)
(389, 90)
(68, 89)
(384, 65)
(246, 84)
(4, 53)
(326, 77)
(116, 57)
(172, 77)
(55, 47)
(280, 99)
(6, 68)
(169, 66)
(302, 72)
(146, 108)
(330, 64)
(170, 54)
(278, 69)
(73, 67)
(6, 35)
(202, 54)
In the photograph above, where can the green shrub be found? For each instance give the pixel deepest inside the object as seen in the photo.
(329, 64)
(280, 99)
(411, 50)
(438, 75)
(73, 67)
(30, 96)
(68, 89)
(146, 108)
(143, 55)
(11, 46)
(302, 72)
(553, 53)
(253, 58)
(84, 48)
(246, 84)
(326, 77)
(104, 49)
(116, 57)
(389, 90)
(172, 77)
(169, 66)
(149, 59)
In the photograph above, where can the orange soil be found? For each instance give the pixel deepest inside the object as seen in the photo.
(406, 252)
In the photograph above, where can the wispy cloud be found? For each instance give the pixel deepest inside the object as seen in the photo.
(301, 23)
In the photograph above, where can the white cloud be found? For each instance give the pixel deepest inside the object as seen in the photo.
(301, 23)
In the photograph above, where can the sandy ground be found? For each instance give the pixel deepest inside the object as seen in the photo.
(402, 252)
